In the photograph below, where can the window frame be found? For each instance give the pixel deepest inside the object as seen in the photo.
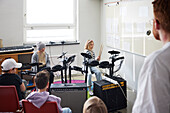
(52, 26)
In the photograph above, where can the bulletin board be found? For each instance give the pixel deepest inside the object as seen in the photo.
(127, 24)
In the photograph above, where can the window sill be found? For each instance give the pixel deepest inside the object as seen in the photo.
(63, 43)
(58, 43)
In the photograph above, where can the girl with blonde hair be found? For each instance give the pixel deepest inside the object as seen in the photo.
(89, 50)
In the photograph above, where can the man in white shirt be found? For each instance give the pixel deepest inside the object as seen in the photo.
(153, 95)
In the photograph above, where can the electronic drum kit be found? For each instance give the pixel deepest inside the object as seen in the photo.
(103, 64)
(67, 65)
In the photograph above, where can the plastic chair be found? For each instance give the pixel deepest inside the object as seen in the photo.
(9, 101)
(48, 107)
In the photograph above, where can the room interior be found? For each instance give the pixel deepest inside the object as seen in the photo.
(97, 20)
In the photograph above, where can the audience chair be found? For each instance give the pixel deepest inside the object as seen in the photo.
(9, 101)
(48, 107)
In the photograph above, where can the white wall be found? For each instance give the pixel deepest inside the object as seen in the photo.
(11, 22)
(11, 26)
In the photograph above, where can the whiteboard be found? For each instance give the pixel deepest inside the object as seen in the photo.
(127, 24)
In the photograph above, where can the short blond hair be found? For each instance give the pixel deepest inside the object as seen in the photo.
(94, 105)
(87, 44)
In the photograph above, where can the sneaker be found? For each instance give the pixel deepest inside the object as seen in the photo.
(90, 93)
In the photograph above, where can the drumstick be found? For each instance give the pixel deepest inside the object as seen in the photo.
(101, 49)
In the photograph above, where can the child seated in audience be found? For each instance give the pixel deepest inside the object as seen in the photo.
(94, 105)
(9, 76)
(41, 96)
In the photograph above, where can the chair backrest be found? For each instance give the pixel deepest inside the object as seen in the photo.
(47, 107)
(9, 101)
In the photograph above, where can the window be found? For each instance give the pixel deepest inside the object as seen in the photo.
(50, 20)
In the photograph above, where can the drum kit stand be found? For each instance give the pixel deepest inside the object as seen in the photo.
(66, 66)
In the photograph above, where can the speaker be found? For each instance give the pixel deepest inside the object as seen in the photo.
(113, 96)
(72, 95)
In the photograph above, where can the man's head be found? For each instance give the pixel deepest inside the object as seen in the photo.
(9, 65)
(42, 79)
(40, 46)
(161, 10)
(94, 105)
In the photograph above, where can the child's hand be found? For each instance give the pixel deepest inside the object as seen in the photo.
(98, 58)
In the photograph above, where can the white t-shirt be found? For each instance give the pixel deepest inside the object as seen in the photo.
(153, 95)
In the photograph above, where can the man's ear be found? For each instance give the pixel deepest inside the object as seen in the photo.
(157, 24)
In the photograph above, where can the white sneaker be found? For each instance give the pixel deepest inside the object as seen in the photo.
(90, 93)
